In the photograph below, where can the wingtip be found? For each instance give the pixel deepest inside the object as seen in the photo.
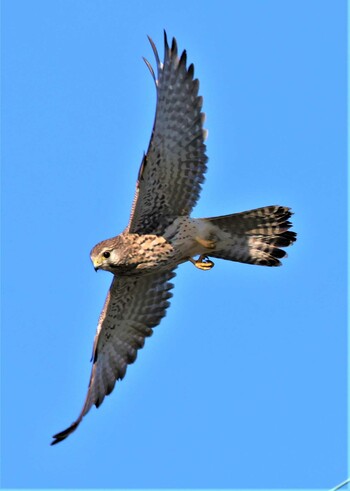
(149, 66)
(62, 435)
(155, 51)
(174, 49)
(166, 44)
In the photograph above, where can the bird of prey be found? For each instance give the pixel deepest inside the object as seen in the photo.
(161, 233)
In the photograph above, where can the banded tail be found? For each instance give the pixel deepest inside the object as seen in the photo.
(255, 236)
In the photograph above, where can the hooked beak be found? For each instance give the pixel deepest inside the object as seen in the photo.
(97, 263)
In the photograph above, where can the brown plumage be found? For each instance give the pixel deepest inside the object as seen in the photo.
(161, 234)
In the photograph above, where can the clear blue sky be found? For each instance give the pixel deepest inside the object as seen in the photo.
(244, 382)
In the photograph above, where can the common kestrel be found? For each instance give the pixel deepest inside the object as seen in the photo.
(161, 234)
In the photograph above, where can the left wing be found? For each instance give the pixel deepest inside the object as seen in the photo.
(172, 171)
(134, 305)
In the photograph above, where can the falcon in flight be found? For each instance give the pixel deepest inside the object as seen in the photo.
(161, 234)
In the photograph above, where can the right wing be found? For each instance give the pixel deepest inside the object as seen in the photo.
(134, 305)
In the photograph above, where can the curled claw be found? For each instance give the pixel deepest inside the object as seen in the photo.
(203, 262)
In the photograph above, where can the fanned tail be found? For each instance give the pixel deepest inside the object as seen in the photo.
(255, 236)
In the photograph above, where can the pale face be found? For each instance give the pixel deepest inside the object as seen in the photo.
(105, 256)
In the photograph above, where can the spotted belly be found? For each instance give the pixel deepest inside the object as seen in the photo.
(183, 239)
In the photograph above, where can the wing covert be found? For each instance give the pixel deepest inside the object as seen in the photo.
(172, 170)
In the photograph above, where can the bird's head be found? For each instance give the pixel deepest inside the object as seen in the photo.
(105, 255)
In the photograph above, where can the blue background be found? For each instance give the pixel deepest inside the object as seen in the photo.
(244, 382)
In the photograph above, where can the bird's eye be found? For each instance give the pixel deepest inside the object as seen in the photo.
(106, 254)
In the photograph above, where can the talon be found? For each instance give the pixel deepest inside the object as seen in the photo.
(203, 262)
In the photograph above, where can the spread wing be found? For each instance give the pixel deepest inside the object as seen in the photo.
(134, 305)
(171, 173)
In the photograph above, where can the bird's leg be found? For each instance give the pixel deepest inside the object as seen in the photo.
(203, 262)
(208, 244)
